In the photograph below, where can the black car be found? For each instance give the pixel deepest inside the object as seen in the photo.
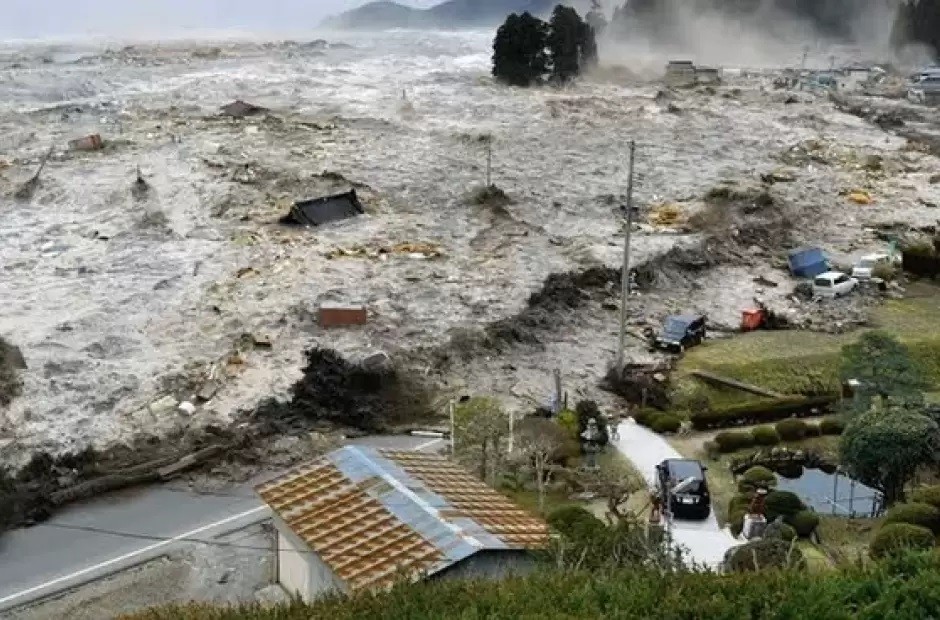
(680, 332)
(682, 484)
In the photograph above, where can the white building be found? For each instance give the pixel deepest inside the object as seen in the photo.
(360, 518)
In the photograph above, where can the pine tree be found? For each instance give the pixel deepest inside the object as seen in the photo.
(519, 56)
(572, 44)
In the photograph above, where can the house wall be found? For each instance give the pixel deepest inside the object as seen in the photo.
(300, 570)
(493, 564)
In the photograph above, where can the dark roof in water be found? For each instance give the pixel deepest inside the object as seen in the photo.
(324, 210)
(240, 109)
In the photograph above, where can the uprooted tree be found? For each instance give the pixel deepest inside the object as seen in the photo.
(884, 448)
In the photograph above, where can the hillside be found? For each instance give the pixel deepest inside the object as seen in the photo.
(453, 14)
(907, 587)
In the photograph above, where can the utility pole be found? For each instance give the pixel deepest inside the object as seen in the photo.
(450, 412)
(512, 418)
(489, 161)
(625, 276)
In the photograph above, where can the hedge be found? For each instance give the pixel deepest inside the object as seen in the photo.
(791, 430)
(804, 523)
(923, 515)
(927, 495)
(783, 504)
(813, 430)
(730, 441)
(896, 537)
(760, 412)
(831, 426)
(765, 436)
(665, 423)
(763, 554)
(893, 589)
(575, 522)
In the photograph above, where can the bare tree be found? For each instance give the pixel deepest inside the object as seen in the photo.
(616, 481)
(480, 425)
(541, 442)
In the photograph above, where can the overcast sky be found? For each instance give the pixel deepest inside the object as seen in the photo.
(28, 19)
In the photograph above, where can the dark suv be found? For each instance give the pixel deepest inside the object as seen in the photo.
(680, 332)
(682, 484)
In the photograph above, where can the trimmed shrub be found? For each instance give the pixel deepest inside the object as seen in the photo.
(712, 449)
(923, 515)
(760, 412)
(791, 430)
(813, 430)
(763, 554)
(831, 426)
(740, 501)
(736, 521)
(765, 436)
(927, 495)
(788, 532)
(730, 441)
(643, 417)
(783, 504)
(804, 523)
(665, 423)
(894, 538)
(757, 477)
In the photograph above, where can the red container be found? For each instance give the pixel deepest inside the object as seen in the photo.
(751, 319)
(342, 316)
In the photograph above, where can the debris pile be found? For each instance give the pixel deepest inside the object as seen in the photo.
(411, 250)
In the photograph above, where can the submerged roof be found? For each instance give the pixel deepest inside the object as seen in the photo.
(373, 515)
(324, 210)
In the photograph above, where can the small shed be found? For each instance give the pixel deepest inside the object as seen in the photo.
(808, 262)
(680, 73)
(362, 519)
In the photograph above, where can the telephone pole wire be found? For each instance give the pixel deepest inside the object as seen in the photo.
(625, 276)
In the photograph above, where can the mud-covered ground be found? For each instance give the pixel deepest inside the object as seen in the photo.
(125, 303)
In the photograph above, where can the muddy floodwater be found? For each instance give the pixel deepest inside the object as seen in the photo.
(128, 303)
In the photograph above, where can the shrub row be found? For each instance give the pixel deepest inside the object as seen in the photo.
(778, 504)
(894, 538)
(785, 430)
(760, 412)
(927, 495)
(923, 515)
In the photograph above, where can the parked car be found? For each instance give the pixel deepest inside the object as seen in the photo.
(683, 487)
(680, 332)
(833, 284)
(866, 264)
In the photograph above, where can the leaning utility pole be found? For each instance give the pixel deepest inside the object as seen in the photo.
(489, 161)
(451, 406)
(625, 276)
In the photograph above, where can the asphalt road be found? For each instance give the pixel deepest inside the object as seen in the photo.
(51, 557)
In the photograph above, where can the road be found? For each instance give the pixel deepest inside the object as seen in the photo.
(48, 558)
(705, 541)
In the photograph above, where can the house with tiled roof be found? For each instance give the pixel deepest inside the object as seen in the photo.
(360, 518)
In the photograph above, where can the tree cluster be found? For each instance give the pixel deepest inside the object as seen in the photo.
(890, 433)
(528, 51)
(918, 21)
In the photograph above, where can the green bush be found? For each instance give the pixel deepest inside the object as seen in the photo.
(831, 426)
(813, 430)
(896, 537)
(730, 441)
(575, 522)
(757, 477)
(783, 504)
(760, 412)
(665, 423)
(712, 449)
(791, 430)
(740, 501)
(927, 495)
(765, 436)
(763, 554)
(788, 532)
(923, 515)
(804, 523)
(643, 417)
(736, 521)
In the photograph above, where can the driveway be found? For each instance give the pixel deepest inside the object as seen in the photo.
(705, 541)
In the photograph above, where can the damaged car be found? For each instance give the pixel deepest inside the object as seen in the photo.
(681, 331)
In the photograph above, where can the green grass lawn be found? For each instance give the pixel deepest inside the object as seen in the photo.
(795, 362)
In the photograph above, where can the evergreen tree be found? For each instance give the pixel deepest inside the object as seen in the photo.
(519, 56)
(918, 21)
(571, 44)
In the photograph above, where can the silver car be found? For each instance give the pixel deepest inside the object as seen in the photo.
(926, 86)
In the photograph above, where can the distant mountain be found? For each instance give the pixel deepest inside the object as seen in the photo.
(453, 14)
